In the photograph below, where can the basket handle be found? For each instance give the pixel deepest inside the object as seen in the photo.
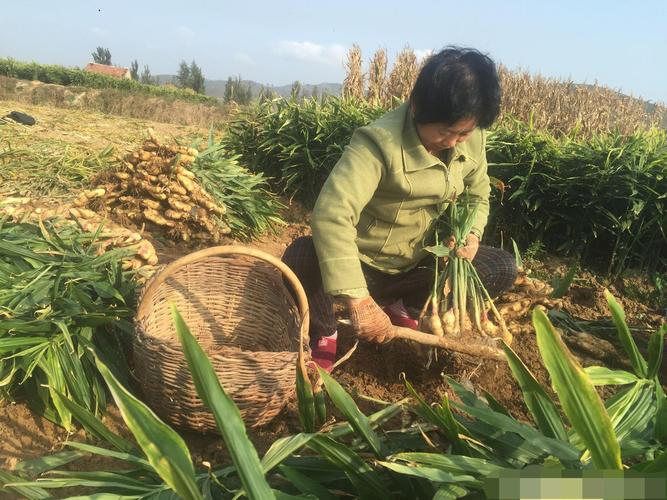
(171, 268)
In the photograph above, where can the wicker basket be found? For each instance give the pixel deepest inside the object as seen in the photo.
(235, 301)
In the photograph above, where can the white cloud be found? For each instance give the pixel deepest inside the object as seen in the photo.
(244, 58)
(100, 32)
(186, 33)
(423, 54)
(330, 55)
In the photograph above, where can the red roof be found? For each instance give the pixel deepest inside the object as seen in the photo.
(107, 70)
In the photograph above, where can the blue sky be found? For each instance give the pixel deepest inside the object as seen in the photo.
(617, 43)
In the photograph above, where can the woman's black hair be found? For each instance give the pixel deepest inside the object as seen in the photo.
(457, 83)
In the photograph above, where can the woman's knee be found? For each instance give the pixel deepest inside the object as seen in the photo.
(507, 267)
(496, 268)
(299, 251)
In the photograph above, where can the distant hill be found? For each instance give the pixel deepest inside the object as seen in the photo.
(216, 88)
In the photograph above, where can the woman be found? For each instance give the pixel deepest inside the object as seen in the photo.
(377, 210)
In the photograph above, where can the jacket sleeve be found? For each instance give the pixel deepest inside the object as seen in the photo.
(347, 190)
(479, 190)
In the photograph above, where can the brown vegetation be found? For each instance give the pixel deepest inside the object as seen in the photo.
(113, 101)
(403, 74)
(561, 106)
(353, 86)
(557, 106)
(377, 78)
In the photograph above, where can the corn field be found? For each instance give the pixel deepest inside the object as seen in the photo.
(556, 106)
(565, 108)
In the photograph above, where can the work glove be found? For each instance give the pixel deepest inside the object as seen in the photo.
(369, 321)
(469, 250)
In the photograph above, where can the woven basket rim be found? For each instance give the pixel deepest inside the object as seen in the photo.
(143, 308)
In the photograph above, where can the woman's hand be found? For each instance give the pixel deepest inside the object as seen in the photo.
(369, 321)
(469, 250)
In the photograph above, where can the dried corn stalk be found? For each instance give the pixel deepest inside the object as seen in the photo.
(353, 85)
(403, 74)
(377, 78)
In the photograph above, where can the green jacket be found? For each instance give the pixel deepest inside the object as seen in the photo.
(380, 201)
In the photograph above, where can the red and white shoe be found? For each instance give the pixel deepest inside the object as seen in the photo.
(399, 315)
(323, 352)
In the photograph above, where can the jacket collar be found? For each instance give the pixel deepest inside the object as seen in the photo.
(415, 155)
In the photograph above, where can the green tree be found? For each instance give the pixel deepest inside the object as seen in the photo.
(246, 93)
(314, 94)
(229, 90)
(134, 70)
(146, 76)
(183, 78)
(102, 56)
(190, 77)
(196, 78)
(237, 91)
